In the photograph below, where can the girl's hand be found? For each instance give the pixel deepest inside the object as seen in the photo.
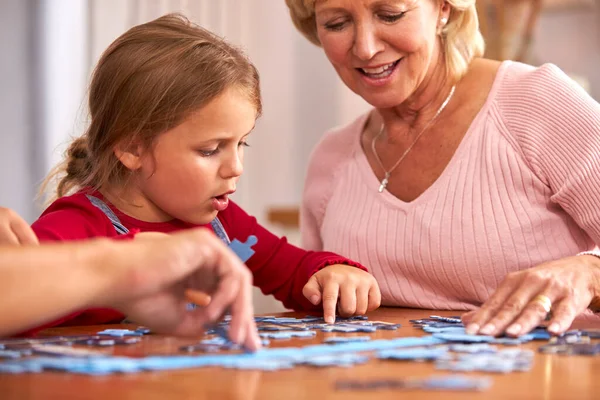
(356, 290)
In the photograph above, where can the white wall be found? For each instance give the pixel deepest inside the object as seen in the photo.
(17, 171)
(571, 39)
(64, 73)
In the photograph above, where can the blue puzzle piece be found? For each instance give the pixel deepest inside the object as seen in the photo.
(452, 382)
(338, 340)
(504, 361)
(243, 250)
(456, 382)
(463, 338)
(119, 332)
(473, 348)
(451, 320)
(337, 360)
(415, 354)
(288, 334)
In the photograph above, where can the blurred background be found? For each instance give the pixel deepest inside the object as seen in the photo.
(49, 48)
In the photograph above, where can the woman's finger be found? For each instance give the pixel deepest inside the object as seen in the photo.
(563, 314)
(534, 313)
(513, 306)
(490, 308)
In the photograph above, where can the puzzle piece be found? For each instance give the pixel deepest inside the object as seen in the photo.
(243, 250)
(451, 382)
(65, 351)
(347, 328)
(119, 332)
(473, 348)
(456, 382)
(450, 320)
(414, 354)
(288, 334)
(11, 354)
(503, 361)
(338, 340)
(337, 360)
(463, 337)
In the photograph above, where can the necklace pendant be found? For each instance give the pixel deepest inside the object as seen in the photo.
(383, 185)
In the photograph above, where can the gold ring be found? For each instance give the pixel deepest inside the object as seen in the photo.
(543, 301)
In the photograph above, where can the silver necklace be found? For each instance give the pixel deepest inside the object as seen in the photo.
(386, 177)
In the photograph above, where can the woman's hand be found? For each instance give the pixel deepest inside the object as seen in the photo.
(14, 230)
(356, 290)
(566, 286)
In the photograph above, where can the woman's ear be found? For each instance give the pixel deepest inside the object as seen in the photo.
(129, 155)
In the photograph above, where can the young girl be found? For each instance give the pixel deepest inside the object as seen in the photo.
(172, 106)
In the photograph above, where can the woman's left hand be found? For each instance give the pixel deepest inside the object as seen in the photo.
(524, 299)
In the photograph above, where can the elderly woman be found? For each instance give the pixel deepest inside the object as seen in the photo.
(470, 183)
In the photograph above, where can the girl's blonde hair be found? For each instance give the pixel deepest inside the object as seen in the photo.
(461, 37)
(148, 81)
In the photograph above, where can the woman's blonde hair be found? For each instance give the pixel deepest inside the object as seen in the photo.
(461, 37)
(148, 81)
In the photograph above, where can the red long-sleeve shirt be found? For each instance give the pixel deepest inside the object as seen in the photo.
(278, 267)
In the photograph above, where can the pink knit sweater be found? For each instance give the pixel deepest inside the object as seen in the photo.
(522, 188)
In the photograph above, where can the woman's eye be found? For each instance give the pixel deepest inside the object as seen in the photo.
(334, 26)
(391, 17)
(243, 143)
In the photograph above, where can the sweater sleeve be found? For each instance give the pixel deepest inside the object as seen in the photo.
(278, 267)
(557, 125)
(326, 161)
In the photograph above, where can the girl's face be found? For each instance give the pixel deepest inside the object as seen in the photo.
(194, 167)
(382, 49)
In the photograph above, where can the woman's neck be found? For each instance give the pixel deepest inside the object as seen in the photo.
(415, 113)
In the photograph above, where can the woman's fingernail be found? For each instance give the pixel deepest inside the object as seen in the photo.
(554, 327)
(329, 320)
(514, 329)
(472, 329)
(487, 329)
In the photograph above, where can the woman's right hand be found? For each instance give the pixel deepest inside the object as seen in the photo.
(14, 230)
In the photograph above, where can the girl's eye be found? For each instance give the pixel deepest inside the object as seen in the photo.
(391, 17)
(208, 153)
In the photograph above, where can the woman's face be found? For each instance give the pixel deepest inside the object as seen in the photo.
(382, 49)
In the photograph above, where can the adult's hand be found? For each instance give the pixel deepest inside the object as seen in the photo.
(154, 274)
(524, 299)
(14, 230)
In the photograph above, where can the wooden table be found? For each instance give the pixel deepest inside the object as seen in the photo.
(552, 376)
